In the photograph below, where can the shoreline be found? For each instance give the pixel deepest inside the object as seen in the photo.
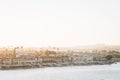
(36, 67)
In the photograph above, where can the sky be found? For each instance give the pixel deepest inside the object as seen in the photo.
(59, 22)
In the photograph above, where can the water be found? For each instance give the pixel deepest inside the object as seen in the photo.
(96, 72)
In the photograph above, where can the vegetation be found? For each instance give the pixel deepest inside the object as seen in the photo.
(109, 57)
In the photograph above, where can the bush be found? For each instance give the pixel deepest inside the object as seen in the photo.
(109, 57)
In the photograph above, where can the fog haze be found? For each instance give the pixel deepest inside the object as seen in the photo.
(59, 23)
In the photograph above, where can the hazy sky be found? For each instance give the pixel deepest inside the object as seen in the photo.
(59, 22)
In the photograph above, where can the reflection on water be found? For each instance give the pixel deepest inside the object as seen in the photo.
(99, 72)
